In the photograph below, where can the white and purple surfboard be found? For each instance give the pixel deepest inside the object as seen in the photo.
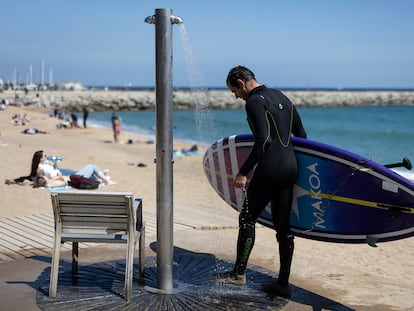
(338, 196)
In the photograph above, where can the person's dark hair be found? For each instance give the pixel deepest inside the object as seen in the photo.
(35, 162)
(40, 182)
(239, 72)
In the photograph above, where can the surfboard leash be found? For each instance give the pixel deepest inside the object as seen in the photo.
(361, 168)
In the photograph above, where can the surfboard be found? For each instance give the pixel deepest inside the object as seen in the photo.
(338, 196)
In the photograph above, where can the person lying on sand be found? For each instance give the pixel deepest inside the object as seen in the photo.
(18, 119)
(46, 174)
(52, 174)
(32, 131)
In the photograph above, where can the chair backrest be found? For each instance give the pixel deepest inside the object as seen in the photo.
(93, 212)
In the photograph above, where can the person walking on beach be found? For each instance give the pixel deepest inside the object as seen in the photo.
(116, 126)
(85, 116)
(74, 122)
(272, 118)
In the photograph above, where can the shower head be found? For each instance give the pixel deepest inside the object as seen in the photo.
(174, 19)
(150, 19)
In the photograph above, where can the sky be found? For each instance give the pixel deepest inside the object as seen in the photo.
(295, 43)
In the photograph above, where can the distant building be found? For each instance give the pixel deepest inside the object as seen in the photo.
(71, 86)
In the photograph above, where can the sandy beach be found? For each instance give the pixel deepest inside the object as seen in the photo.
(358, 277)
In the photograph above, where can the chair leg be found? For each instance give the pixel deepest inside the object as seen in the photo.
(54, 270)
(75, 256)
(141, 260)
(129, 267)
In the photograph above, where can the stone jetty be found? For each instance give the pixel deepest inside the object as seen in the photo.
(125, 100)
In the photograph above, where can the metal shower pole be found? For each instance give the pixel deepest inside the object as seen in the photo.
(163, 21)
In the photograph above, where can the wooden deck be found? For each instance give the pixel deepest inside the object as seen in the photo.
(27, 236)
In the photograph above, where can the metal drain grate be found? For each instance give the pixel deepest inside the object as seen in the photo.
(100, 287)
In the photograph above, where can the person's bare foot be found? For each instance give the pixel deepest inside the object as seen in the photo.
(110, 182)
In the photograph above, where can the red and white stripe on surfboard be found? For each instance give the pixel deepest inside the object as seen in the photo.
(235, 169)
(218, 169)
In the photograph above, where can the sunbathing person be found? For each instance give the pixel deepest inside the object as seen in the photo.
(18, 119)
(53, 175)
(33, 130)
(46, 174)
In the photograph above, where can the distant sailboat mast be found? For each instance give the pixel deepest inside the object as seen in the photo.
(42, 73)
(50, 76)
(15, 78)
(30, 75)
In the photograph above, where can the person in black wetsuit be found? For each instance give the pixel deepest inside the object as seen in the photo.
(272, 118)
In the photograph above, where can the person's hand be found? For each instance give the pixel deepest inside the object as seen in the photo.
(240, 181)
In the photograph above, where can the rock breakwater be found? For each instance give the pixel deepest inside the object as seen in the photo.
(185, 100)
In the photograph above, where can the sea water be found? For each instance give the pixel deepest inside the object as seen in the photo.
(382, 133)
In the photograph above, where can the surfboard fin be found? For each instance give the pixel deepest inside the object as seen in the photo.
(371, 240)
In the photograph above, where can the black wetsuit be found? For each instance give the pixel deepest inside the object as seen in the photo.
(272, 118)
